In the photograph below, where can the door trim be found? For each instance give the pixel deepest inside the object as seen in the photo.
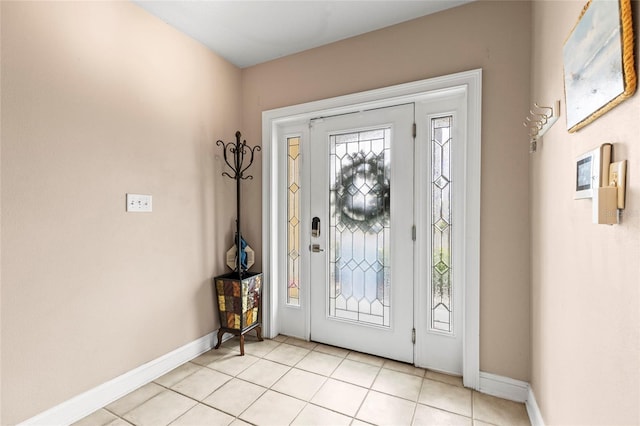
(274, 120)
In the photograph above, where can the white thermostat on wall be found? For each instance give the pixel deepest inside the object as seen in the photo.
(139, 203)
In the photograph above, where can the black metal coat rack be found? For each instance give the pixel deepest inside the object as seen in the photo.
(235, 154)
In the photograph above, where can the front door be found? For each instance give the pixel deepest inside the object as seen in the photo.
(343, 195)
(361, 246)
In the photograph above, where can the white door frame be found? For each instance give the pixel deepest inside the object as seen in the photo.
(273, 121)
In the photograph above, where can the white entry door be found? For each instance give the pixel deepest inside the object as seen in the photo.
(368, 180)
(361, 212)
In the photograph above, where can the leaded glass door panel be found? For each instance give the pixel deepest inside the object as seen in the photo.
(440, 150)
(362, 255)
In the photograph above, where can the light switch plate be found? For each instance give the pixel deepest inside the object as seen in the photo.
(139, 203)
(617, 178)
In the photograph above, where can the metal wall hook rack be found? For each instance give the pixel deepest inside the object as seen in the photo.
(539, 120)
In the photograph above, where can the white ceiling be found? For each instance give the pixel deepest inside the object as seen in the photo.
(250, 32)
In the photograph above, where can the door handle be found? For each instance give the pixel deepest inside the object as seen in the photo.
(315, 248)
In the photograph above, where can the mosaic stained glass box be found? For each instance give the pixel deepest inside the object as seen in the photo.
(239, 305)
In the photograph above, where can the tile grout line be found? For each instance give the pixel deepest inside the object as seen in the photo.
(246, 381)
(355, 416)
(473, 397)
(136, 406)
(326, 379)
(290, 369)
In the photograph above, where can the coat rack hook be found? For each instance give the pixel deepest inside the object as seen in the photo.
(539, 120)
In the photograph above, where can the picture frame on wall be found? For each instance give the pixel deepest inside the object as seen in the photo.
(598, 61)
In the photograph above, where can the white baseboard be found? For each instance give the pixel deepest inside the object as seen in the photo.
(86, 403)
(514, 390)
(535, 416)
(503, 387)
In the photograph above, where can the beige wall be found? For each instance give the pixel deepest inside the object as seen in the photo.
(494, 36)
(100, 99)
(585, 277)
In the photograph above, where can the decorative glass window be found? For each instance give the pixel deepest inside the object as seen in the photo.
(441, 268)
(293, 221)
(359, 226)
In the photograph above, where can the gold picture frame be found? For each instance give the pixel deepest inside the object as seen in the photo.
(599, 70)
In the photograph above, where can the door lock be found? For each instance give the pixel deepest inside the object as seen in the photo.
(315, 227)
(315, 248)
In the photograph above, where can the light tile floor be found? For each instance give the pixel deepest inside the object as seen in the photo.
(287, 381)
